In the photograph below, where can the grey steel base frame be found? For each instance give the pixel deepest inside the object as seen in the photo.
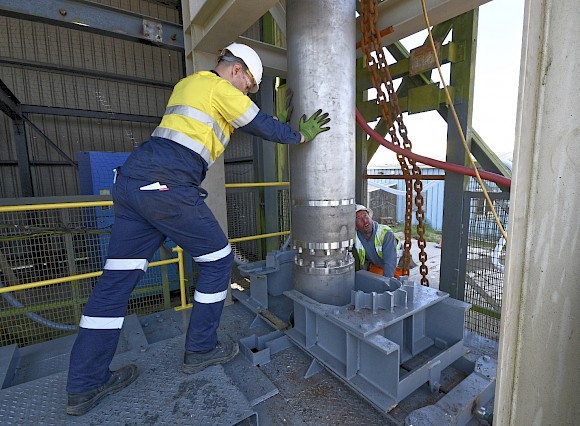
(385, 344)
(471, 399)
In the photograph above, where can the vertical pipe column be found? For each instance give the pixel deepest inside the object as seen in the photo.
(538, 370)
(321, 72)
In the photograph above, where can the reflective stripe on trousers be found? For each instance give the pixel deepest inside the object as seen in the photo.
(143, 219)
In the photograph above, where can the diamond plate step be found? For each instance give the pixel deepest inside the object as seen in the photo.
(44, 359)
(161, 394)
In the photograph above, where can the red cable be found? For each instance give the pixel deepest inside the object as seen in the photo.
(456, 168)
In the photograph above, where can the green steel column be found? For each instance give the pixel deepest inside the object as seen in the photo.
(363, 82)
(462, 79)
(265, 171)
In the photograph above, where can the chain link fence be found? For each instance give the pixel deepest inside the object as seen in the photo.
(484, 263)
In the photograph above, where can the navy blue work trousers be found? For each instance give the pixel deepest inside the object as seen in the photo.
(145, 214)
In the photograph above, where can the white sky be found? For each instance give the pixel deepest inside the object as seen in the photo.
(497, 68)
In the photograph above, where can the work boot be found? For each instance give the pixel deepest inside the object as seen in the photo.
(81, 403)
(194, 362)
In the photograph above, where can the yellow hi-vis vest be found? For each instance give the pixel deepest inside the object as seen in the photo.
(379, 238)
(203, 112)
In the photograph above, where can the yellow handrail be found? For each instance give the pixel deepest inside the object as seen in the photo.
(184, 305)
(179, 259)
(257, 237)
(70, 278)
(25, 207)
(255, 184)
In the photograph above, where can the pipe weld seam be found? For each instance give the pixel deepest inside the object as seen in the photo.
(334, 270)
(323, 203)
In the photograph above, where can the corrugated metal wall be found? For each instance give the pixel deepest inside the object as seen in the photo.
(433, 203)
(57, 67)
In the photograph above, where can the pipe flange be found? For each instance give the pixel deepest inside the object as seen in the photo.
(336, 245)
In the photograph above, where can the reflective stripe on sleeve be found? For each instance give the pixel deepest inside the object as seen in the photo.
(216, 255)
(186, 141)
(126, 264)
(246, 117)
(207, 298)
(101, 323)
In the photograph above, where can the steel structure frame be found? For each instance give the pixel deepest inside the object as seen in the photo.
(97, 18)
(274, 61)
(18, 113)
(384, 344)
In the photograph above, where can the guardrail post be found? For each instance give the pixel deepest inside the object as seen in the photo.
(184, 304)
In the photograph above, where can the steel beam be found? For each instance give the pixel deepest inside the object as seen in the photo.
(71, 112)
(462, 79)
(211, 25)
(97, 18)
(10, 106)
(43, 66)
(406, 17)
(23, 157)
(487, 157)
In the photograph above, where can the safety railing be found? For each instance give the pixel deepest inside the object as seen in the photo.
(51, 255)
(258, 218)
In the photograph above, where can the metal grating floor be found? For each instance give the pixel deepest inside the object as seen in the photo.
(236, 393)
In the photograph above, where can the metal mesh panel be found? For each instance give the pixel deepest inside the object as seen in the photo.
(474, 185)
(239, 173)
(57, 243)
(484, 273)
(242, 222)
(284, 211)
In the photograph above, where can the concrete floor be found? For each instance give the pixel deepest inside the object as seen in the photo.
(433, 251)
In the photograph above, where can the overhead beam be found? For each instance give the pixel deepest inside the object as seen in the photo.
(406, 17)
(81, 113)
(211, 25)
(273, 57)
(279, 14)
(97, 18)
(488, 159)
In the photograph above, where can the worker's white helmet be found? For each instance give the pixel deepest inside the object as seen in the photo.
(251, 60)
(360, 207)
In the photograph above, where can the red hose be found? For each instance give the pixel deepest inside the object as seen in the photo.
(456, 168)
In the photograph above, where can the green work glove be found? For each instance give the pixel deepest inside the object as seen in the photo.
(285, 115)
(313, 126)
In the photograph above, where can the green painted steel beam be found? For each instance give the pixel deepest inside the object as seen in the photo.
(453, 261)
(487, 158)
(425, 98)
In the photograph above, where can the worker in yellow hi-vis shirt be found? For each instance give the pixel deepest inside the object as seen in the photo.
(376, 247)
(158, 195)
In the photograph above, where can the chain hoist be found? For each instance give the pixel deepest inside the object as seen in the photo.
(378, 66)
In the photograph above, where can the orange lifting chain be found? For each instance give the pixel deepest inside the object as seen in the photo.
(377, 64)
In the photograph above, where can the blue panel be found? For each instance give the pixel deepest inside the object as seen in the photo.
(96, 173)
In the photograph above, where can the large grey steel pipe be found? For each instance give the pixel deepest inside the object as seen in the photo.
(321, 73)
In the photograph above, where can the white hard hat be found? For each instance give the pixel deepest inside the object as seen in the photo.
(360, 207)
(252, 61)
